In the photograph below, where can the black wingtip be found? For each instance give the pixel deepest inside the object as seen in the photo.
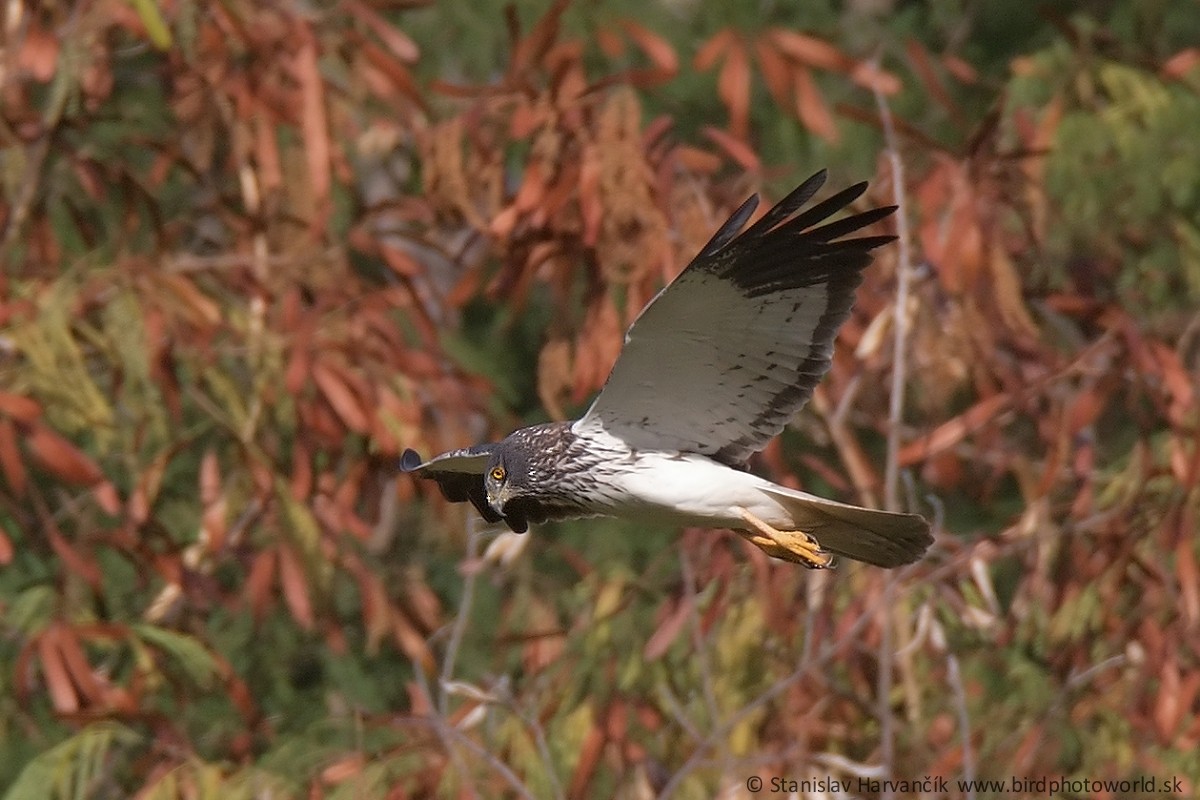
(409, 460)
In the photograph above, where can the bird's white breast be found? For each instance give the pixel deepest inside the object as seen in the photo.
(694, 490)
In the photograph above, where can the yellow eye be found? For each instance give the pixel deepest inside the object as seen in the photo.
(497, 473)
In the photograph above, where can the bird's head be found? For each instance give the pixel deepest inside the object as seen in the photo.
(506, 478)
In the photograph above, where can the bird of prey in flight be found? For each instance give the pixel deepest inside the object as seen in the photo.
(713, 369)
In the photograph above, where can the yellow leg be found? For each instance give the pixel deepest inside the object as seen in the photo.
(795, 546)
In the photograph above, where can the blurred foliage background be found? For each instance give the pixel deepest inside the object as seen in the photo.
(253, 250)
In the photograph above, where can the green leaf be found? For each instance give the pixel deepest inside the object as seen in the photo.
(191, 655)
(71, 767)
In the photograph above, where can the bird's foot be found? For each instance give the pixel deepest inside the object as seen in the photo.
(795, 546)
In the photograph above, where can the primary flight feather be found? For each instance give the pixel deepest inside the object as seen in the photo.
(712, 370)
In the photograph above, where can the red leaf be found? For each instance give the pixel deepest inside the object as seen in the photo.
(78, 668)
(591, 207)
(348, 407)
(80, 565)
(1168, 710)
(660, 641)
(960, 69)
(923, 66)
(777, 73)
(58, 681)
(295, 588)
(1181, 63)
(656, 48)
(953, 431)
(258, 582)
(313, 123)
(38, 53)
(20, 407)
(1185, 568)
(412, 642)
(811, 51)
(711, 50)
(403, 47)
(58, 456)
(733, 87)
(811, 107)
(530, 49)
(870, 76)
(11, 463)
(738, 150)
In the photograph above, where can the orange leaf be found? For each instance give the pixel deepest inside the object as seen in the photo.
(400, 262)
(343, 769)
(696, 160)
(412, 643)
(38, 54)
(738, 150)
(210, 477)
(530, 50)
(258, 582)
(870, 76)
(611, 44)
(776, 71)
(953, 431)
(589, 758)
(960, 69)
(313, 123)
(19, 407)
(923, 66)
(711, 50)
(1185, 568)
(60, 457)
(533, 188)
(811, 51)
(811, 107)
(79, 670)
(266, 152)
(591, 207)
(81, 566)
(10, 459)
(656, 48)
(58, 681)
(107, 497)
(733, 87)
(403, 47)
(1181, 63)
(1168, 710)
(659, 642)
(6, 550)
(348, 407)
(295, 588)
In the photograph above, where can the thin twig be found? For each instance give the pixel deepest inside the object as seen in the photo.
(459, 629)
(964, 722)
(689, 586)
(543, 747)
(900, 316)
(447, 734)
(779, 687)
(891, 484)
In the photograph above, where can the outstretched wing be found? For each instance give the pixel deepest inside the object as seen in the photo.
(721, 359)
(459, 474)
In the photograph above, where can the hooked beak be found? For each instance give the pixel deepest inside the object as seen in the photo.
(498, 500)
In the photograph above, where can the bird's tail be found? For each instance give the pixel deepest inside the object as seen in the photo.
(882, 538)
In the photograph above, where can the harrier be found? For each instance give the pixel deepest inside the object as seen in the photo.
(713, 369)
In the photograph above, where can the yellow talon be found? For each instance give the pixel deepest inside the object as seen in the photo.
(794, 546)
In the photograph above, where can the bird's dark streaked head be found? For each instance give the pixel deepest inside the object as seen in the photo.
(529, 465)
(507, 476)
